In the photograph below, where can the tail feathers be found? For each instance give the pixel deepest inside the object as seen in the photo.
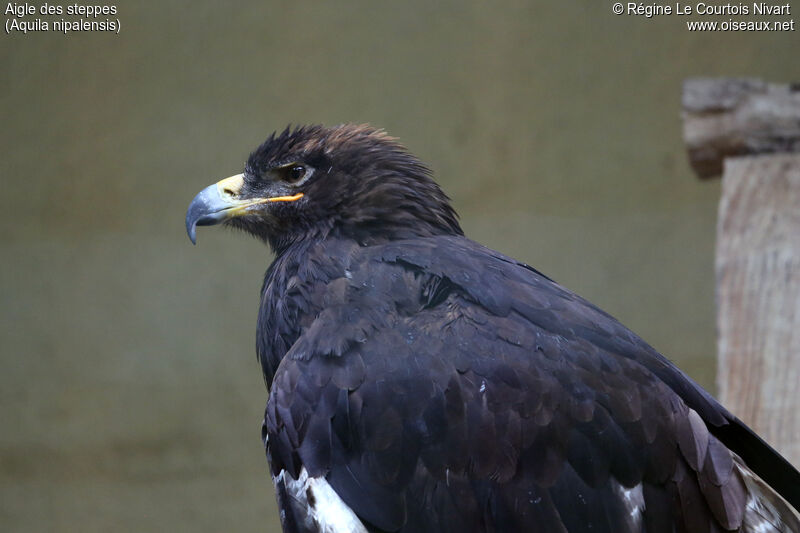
(766, 510)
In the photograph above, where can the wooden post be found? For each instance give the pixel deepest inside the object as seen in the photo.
(758, 246)
(731, 117)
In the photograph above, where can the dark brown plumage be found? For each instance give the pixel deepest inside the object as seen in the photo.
(420, 382)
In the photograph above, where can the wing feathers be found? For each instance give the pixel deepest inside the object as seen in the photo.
(446, 388)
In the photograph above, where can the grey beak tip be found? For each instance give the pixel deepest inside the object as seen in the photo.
(191, 229)
(207, 209)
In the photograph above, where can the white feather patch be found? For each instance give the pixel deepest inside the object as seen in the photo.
(325, 508)
(766, 510)
(633, 500)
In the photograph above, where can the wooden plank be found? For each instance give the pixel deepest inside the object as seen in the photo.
(758, 296)
(725, 117)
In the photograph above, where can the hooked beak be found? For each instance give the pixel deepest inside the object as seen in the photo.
(220, 202)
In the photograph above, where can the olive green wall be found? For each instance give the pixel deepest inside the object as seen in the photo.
(130, 398)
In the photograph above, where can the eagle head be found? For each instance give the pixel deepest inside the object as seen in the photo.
(310, 182)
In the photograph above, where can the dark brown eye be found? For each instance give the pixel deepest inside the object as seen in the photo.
(295, 173)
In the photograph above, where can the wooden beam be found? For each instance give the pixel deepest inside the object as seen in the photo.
(751, 130)
(758, 296)
(725, 117)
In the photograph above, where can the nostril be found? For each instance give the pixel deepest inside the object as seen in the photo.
(228, 192)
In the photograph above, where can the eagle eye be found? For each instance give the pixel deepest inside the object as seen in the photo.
(297, 172)
(293, 173)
